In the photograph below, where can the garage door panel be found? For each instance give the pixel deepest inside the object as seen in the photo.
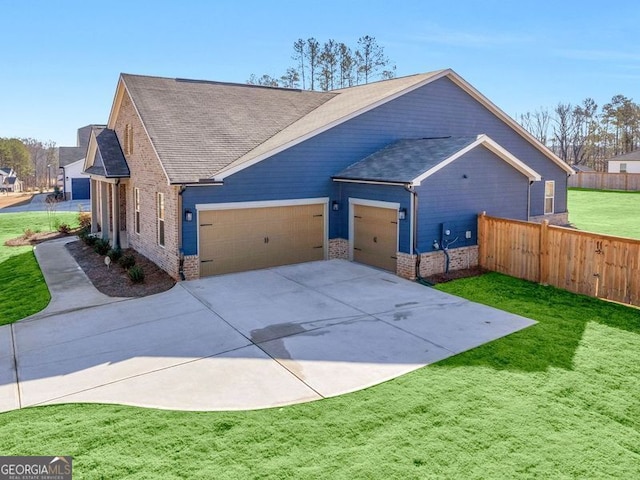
(375, 236)
(248, 239)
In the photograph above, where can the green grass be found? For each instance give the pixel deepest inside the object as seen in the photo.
(608, 212)
(22, 287)
(557, 400)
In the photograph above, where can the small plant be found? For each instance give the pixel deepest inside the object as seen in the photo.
(84, 219)
(89, 239)
(64, 228)
(127, 261)
(28, 233)
(114, 254)
(101, 246)
(136, 274)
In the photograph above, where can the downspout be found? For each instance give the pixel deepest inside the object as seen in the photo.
(414, 218)
(529, 201)
(180, 220)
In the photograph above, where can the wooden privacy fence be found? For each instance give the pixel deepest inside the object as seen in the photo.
(606, 181)
(601, 266)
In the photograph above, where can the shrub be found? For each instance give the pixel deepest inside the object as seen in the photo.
(127, 261)
(136, 274)
(114, 254)
(84, 219)
(89, 239)
(64, 228)
(101, 246)
(28, 233)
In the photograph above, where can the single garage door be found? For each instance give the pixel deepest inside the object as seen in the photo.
(375, 236)
(80, 189)
(248, 239)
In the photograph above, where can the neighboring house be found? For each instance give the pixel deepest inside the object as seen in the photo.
(626, 163)
(207, 178)
(582, 169)
(9, 181)
(71, 179)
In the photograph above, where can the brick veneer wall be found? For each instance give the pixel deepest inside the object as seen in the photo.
(191, 267)
(148, 176)
(338, 248)
(432, 263)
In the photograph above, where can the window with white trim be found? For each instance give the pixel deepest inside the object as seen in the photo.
(136, 202)
(623, 168)
(549, 196)
(160, 208)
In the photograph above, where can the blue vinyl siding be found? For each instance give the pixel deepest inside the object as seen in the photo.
(448, 198)
(305, 170)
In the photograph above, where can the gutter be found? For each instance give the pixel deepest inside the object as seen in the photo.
(414, 219)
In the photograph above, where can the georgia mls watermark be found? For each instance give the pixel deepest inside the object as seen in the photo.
(35, 468)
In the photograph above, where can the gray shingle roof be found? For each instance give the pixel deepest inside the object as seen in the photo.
(631, 156)
(113, 163)
(405, 160)
(198, 127)
(67, 155)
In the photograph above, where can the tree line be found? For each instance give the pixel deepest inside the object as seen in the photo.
(331, 65)
(585, 134)
(35, 162)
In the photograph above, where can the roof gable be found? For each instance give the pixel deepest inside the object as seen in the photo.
(198, 128)
(104, 155)
(409, 162)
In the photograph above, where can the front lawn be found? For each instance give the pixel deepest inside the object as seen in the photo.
(23, 291)
(611, 213)
(557, 400)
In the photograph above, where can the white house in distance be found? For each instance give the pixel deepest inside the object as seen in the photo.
(73, 182)
(626, 163)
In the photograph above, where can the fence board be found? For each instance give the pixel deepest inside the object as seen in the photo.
(582, 262)
(606, 181)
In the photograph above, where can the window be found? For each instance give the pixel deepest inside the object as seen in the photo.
(128, 139)
(549, 195)
(160, 201)
(623, 168)
(136, 201)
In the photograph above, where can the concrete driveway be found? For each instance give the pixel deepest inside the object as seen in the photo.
(243, 341)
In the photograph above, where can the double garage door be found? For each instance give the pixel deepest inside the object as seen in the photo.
(241, 239)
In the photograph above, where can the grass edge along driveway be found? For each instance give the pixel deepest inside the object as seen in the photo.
(23, 290)
(557, 400)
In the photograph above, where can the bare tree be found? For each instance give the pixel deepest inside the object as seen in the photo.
(563, 130)
(265, 80)
(371, 58)
(328, 64)
(299, 57)
(347, 64)
(291, 79)
(537, 123)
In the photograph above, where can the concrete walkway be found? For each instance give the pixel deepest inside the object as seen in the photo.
(242, 341)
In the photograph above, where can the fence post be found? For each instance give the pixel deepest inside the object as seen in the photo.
(544, 253)
(482, 248)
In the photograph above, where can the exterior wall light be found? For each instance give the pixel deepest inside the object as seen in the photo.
(402, 214)
(188, 215)
(335, 206)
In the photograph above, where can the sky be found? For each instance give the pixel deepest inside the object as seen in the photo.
(60, 59)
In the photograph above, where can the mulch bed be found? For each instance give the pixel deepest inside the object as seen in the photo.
(113, 280)
(455, 275)
(34, 239)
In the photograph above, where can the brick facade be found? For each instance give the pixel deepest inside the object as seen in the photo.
(191, 267)
(338, 248)
(435, 262)
(148, 176)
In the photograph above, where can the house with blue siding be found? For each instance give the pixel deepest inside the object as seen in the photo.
(207, 178)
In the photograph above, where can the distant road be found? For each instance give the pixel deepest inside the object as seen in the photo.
(38, 204)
